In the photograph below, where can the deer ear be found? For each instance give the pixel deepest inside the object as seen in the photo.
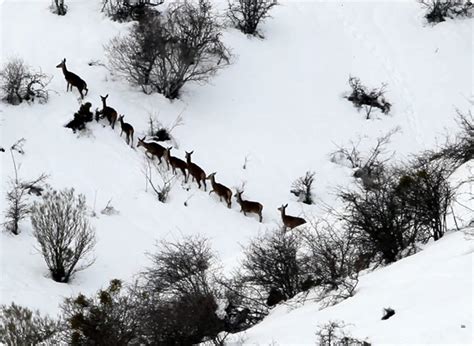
(106, 95)
(64, 60)
(286, 205)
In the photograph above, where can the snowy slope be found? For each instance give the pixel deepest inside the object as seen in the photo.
(431, 293)
(279, 104)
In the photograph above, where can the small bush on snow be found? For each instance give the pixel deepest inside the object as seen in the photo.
(246, 15)
(369, 99)
(62, 230)
(438, 10)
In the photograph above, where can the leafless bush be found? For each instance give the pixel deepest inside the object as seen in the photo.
(438, 10)
(331, 255)
(20, 189)
(271, 262)
(108, 318)
(362, 97)
(163, 187)
(369, 167)
(63, 232)
(303, 186)
(160, 132)
(19, 83)
(163, 53)
(21, 326)
(126, 10)
(333, 333)
(246, 15)
(178, 301)
(58, 7)
(459, 150)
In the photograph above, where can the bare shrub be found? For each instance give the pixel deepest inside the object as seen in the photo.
(246, 15)
(58, 7)
(303, 186)
(425, 192)
(334, 333)
(178, 303)
(18, 193)
(361, 96)
(63, 232)
(18, 83)
(108, 318)
(163, 53)
(438, 10)
(161, 186)
(126, 10)
(271, 262)
(331, 255)
(21, 326)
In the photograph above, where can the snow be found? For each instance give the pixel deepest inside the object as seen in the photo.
(280, 105)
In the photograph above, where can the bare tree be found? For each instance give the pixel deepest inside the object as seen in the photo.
(335, 333)
(126, 10)
(18, 83)
(246, 15)
(163, 53)
(63, 232)
(21, 326)
(271, 262)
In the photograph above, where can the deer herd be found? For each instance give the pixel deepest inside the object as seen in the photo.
(188, 168)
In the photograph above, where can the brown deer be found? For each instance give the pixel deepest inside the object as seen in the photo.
(290, 221)
(196, 171)
(175, 162)
(152, 148)
(249, 206)
(108, 112)
(128, 129)
(73, 79)
(220, 190)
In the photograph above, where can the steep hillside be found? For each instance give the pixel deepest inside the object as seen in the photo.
(280, 106)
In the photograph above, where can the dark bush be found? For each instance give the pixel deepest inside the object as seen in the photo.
(362, 97)
(387, 313)
(162, 53)
(58, 7)
(303, 188)
(246, 15)
(438, 10)
(271, 263)
(126, 10)
(63, 232)
(21, 326)
(178, 298)
(108, 318)
(19, 83)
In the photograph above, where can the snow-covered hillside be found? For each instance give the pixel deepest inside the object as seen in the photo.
(280, 106)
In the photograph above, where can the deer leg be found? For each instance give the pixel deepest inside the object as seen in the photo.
(211, 192)
(205, 187)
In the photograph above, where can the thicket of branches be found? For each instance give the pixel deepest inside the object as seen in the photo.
(126, 10)
(361, 96)
(246, 15)
(438, 10)
(18, 83)
(22, 326)
(64, 235)
(164, 52)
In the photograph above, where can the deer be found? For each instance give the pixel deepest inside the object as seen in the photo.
(175, 162)
(73, 79)
(128, 129)
(248, 206)
(220, 190)
(152, 148)
(108, 112)
(290, 221)
(196, 171)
